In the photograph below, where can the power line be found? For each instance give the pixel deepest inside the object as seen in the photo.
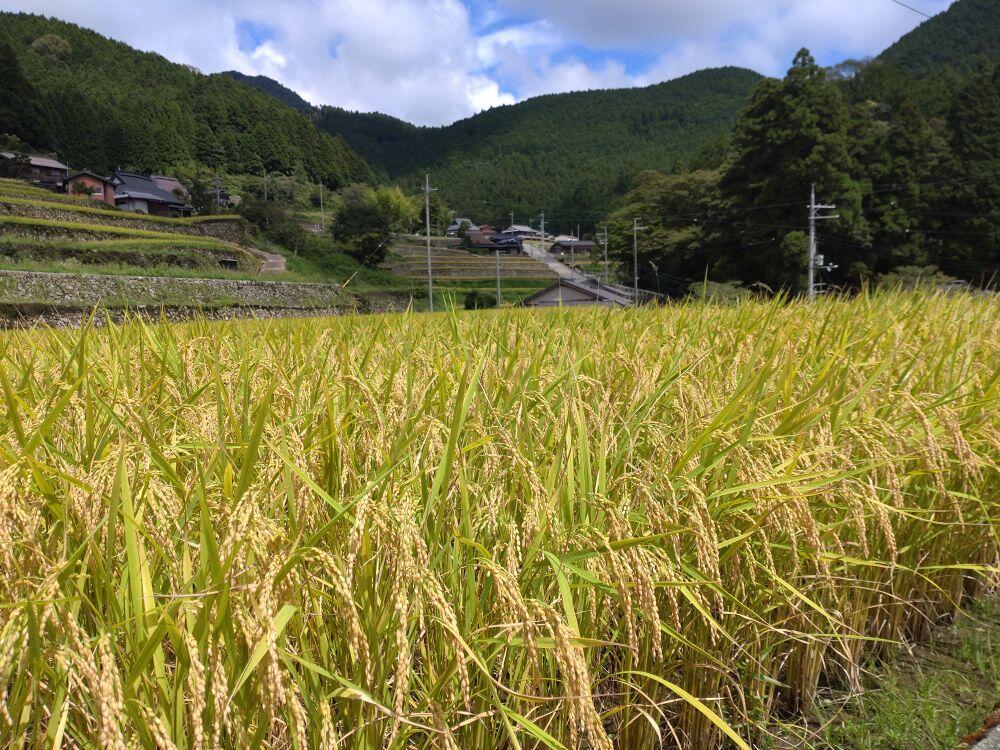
(910, 7)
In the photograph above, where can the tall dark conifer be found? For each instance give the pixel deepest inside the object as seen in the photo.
(793, 133)
(22, 113)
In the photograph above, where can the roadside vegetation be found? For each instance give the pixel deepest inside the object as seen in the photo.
(503, 529)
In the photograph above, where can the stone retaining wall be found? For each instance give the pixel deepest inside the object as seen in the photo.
(89, 290)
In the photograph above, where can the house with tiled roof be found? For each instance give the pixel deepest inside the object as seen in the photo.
(137, 193)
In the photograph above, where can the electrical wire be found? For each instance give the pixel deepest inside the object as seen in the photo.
(910, 7)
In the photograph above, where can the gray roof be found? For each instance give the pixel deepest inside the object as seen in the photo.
(601, 293)
(38, 161)
(141, 187)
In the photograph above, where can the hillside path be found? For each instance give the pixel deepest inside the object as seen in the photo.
(272, 262)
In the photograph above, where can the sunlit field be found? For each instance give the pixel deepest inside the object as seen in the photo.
(582, 529)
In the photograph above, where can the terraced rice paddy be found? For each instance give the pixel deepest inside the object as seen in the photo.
(461, 265)
(585, 529)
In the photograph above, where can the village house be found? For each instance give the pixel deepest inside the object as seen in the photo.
(140, 194)
(39, 170)
(565, 245)
(93, 185)
(456, 227)
(525, 233)
(173, 186)
(519, 230)
(222, 198)
(566, 293)
(479, 240)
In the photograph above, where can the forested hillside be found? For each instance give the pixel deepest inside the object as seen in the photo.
(958, 39)
(567, 152)
(101, 104)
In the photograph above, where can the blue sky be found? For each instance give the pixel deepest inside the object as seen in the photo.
(436, 61)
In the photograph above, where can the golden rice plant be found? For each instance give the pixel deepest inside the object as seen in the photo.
(571, 529)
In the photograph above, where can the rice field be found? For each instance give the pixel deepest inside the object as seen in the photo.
(582, 529)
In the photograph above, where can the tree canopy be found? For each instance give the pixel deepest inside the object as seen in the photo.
(913, 189)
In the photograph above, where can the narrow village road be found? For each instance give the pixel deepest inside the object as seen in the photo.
(989, 742)
(537, 251)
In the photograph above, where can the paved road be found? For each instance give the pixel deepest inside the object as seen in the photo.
(990, 742)
(535, 250)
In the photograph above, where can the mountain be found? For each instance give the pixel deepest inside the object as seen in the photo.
(959, 39)
(562, 152)
(108, 105)
(270, 86)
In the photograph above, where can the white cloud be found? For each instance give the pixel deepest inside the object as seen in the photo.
(430, 62)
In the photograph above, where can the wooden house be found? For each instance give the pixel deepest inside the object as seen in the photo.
(39, 170)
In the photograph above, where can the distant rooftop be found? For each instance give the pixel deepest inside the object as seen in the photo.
(170, 184)
(36, 160)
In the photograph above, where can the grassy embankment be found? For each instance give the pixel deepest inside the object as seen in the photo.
(561, 529)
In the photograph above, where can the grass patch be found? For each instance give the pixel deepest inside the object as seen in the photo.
(75, 226)
(931, 696)
(155, 268)
(175, 242)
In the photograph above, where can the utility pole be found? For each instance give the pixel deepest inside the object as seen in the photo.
(430, 265)
(635, 259)
(322, 214)
(512, 218)
(603, 237)
(267, 221)
(543, 231)
(816, 261)
(498, 279)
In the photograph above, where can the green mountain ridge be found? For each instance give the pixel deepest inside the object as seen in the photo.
(275, 89)
(106, 105)
(571, 153)
(958, 38)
